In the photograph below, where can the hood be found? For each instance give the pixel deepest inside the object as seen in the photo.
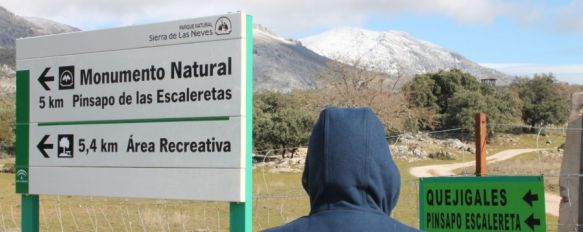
(349, 165)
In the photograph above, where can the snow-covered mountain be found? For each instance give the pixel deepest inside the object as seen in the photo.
(283, 64)
(280, 63)
(392, 52)
(48, 27)
(13, 27)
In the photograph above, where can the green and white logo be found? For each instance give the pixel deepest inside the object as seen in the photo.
(22, 175)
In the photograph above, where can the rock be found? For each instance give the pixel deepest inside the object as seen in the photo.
(552, 153)
(261, 159)
(298, 161)
(418, 152)
(409, 152)
(459, 145)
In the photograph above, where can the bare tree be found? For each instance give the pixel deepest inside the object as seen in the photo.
(359, 86)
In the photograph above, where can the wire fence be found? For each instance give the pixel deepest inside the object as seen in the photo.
(279, 196)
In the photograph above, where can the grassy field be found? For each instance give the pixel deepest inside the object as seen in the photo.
(113, 214)
(533, 163)
(516, 141)
(278, 198)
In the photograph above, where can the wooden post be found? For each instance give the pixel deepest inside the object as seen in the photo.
(481, 133)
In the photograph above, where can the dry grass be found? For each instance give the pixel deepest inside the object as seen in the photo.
(534, 163)
(278, 198)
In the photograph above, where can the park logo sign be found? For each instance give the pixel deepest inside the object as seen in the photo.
(158, 111)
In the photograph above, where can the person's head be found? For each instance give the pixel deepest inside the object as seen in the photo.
(349, 164)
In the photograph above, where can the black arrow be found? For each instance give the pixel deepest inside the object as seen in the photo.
(43, 78)
(532, 222)
(42, 146)
(529, 197)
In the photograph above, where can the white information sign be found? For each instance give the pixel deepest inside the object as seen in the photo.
(155, 111)
(198, 144)
(183, 80)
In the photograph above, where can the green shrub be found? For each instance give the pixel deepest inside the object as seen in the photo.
(9, 167)
(441, 155)
(279, 123)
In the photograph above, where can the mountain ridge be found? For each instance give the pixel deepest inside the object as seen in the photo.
(281, 64)
(13, 27)
(393, 52)
(284, 64)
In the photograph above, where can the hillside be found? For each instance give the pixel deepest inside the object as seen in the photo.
(392, 52)
(284, 64)
(13, 27)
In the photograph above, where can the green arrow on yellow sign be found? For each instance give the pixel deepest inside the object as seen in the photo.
(497, 203)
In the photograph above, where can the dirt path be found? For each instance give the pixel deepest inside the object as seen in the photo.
(552, 200)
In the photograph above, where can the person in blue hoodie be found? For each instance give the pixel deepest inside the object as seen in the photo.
(349, 175)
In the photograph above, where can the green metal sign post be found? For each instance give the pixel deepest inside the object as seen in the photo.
(501, 203)
(30, 203)
(241, 218)
(30, 216)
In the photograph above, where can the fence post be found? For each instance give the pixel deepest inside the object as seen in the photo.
(480, 137)
(571, 180)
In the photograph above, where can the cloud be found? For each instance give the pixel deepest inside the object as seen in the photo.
(572, 73)
(569, 18)
(288, 17)
(572, 52)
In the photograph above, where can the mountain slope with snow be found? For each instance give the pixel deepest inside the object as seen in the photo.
(13, 27)
(48, 27)
(283, 64)
(393, 52)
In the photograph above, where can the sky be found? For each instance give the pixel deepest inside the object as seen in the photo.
(517, 37)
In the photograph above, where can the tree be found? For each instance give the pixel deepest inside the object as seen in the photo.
(463, 105)
(454, 97)
(7, 124)
(500, 106)
(279, 123)
(357, 86)
(543, 102)
(420, 92)
(505, 107)
(434, 92)
(435, 89)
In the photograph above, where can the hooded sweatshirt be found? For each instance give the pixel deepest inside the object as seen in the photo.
(349, 175)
